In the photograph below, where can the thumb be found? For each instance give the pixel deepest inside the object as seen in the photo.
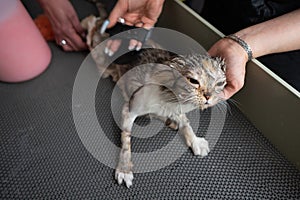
(213, 51)
(227, 92)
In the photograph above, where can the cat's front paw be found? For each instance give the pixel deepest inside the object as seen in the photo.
(200, 146)
(127, 177)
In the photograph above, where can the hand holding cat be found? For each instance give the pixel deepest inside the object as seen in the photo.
(66, 25)
(260, 37)
(235, 58)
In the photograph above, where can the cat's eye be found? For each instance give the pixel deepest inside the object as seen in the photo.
(219, 84)
(193, 81)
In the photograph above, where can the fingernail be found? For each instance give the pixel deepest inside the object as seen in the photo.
(131, 47)
(138, 48)
(104, 26)
(110, 53)
(106, 50)
(121, 20)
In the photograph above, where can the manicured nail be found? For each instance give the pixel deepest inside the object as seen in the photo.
(131, 47)
(104, 26)
(121, 20)
(106, 50)
(138, 47)
(110, 53)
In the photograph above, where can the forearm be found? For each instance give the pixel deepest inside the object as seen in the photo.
(277, 35)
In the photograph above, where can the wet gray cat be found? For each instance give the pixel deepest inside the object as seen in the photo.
(164, 85)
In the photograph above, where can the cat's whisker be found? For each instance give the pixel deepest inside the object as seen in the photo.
(220, 108)
(191, 99)
(224, 106)
(230, 103)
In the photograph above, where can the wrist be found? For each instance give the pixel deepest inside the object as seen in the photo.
(243, 44)
(231, 47)
(252, 36)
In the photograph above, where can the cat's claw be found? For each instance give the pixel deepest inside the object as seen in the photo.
(123, 176)
(200, 147)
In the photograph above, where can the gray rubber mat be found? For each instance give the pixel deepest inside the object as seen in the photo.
(43, 157)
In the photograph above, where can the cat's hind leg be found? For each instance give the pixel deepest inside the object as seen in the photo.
(124, 168)
(198, 144)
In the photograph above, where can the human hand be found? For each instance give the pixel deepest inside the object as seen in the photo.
(138, 13)
(235, 58)
(65, 24)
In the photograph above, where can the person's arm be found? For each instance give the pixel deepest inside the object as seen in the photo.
(280, 34)
(65, 24)
(277, 35)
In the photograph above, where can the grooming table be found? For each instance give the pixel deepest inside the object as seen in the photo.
(43, 156)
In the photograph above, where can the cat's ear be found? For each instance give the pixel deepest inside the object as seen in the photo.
(221, 63)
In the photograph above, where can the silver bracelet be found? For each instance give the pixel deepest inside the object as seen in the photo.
(243, 44)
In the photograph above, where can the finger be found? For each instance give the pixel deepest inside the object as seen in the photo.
(80, 46)
(227, 93)
(232, 87)
(79, 29)
(139, 24)
(73, 43)
(138, 46)
(107, 46)
(67, 48)
(125, 21)
(134, 19)
(215, 50)
(132, 44)
(118, 11)
(131, 19)
(147, 26)
(104, 26)
(212, 52)
(148, 23)
(76, 42)
(113, 47)
(77, 26)
(64, 45)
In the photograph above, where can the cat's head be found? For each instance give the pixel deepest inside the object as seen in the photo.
(204, 77)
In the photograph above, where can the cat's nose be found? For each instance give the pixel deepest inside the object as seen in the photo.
(207, 96)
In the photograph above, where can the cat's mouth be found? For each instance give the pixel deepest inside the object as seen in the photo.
(204, 106)
(206, 103)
